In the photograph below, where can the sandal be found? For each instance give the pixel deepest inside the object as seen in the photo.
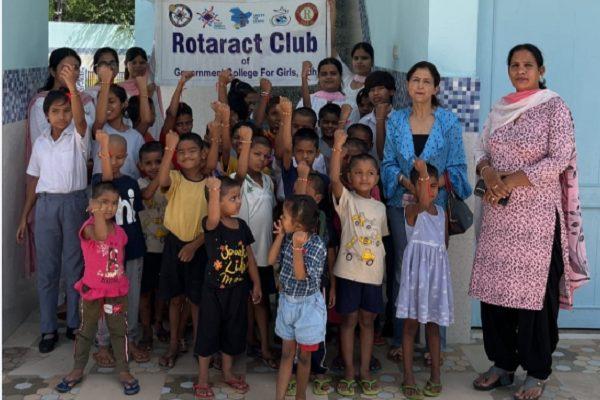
(291, 388)
(104, 358)
(239, 385)
(66, 385)
(345, 387)
(131, 387)
(203, 392)
(370, 388)
(432, 389)
(168, 360)
(320, 386)
(530, 383)
(412, 392)
(505, 378)
(374, 364)
(395, 354)
(139, 355)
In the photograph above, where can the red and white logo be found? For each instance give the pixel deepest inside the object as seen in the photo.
(307, 14)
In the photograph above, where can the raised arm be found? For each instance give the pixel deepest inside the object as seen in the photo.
(105, 75)
(332, 18)
(285, 131)
(171, 117)
(225, 78)
(164, 179)
(99, 230)
(212, 159)
(244, 156)
(335, 167)
(306, 67)
(302, 182)
(103, 139)
(213, 185)
(76, 105)
(265, 95)
(346, 111)
(224, 113)
(145, 112)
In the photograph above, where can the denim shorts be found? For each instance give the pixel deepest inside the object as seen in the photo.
(301, 319)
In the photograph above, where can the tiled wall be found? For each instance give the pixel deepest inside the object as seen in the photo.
(18, 87)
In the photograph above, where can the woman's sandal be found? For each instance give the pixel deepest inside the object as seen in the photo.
(505, 378)
(131, 387)
(432, 389)
(346, 387)
(66, 385)
(203, 392)
(104, 359)
(531, 383)
(395, 354)
(412, 392)
(320, 386)
(291, 388)
(369, 387)
(239, 385)
(168, 360)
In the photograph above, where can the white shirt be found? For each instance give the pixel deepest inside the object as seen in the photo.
(257, 211)
(60, 164)
(134, 142)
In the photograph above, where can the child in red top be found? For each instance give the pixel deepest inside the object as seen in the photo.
(103, 288)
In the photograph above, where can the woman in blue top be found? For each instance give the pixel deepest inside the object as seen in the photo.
(432, 133)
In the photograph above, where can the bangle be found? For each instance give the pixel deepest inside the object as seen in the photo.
(302, 249)
(265, 94)
(246, 141)
(214, 189)
(423, 179)
(400, 178)
(336, 149)
(104, 83)
(302, 179)
(380, 119)
(143, 95)
(483, 169)
(167, 148)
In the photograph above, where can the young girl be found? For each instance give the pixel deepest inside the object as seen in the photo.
(363, 56)
(329, 74)
(425, 294)
(106, 57)
(361, 262)
(301, 315)
(110, 114)
(104, 287)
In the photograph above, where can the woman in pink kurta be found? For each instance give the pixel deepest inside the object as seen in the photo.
(522, 267)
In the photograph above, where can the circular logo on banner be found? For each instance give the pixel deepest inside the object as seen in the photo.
(180, 15)
(307, 14)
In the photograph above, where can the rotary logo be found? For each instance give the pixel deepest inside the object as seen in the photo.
(307, 14)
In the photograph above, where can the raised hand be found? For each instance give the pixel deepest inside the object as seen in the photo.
(213, 183)
(225, 77)
(265, 85)
(339, 139)
(105, 74)
(285, 105)
(306, 68)
(420, 165)
(214, 132)
(141, 81)
(303, 170)
(69, 76)
(299, 238)
(102, 138)
(171, 140)
(245, 134)
(382, 110)
(346, 111)
(186, 76)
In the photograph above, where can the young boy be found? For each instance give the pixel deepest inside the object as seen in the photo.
(224, 307)
(329, 119)
(258, 201)
(184, 256)
(381, 87)
(151, 219)
(364, 105)
(113, 152)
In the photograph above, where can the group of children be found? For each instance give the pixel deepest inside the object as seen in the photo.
(271, 200)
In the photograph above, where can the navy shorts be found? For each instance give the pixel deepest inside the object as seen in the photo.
(352, 296)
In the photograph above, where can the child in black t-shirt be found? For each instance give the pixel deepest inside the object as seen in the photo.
(224, 305)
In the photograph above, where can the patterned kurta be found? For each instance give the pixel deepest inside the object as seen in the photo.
(515, 242)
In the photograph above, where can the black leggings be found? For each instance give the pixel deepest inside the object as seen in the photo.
(513, 337)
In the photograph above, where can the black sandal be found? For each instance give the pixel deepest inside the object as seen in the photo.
(505, 378)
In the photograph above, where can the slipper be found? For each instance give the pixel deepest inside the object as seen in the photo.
(531, 383)
(291, 389)
(432, 389)
(239, 385)
(146, 344)
(505, 378)
(379, 340)
(417, 393)
(131, 387)
(66, 385)
(320, 386)
(345, 387)
(367, 387)
(168, 360)
(203, 392)
(104, 361)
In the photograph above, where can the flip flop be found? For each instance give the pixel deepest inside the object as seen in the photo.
(131, 387)
(320, 386)
(239, 385)
(531, 383)
(367, 387)
(291, 389)
(432, 389)
(66, 385)
(505, 378)
(349, 391)
(417, 393)
(203, 392)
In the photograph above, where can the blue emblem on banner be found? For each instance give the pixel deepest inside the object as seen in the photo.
(239, 18)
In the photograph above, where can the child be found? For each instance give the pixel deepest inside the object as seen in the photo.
(184, 256)
(110, 113)
(381, 87)
(362, 132)
(106, 57)
(113, 150)
(56, 183)
(258, 201)
(360, 264)
(364, 105)
(223, 313)
(329, 74)
(301, 315)
(425, 294)
(151, 219)
(103, 288)
(179, 115)
(303, 117)
(329, 119)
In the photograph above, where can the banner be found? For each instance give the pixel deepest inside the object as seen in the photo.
(256, 39)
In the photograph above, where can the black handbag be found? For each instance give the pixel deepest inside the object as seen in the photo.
(460, 217)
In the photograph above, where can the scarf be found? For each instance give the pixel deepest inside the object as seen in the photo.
(330, 96)
(508, 109)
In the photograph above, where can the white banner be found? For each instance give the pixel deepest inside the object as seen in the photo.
(256, 39)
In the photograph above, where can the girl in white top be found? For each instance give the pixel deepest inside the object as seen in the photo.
(353, 80)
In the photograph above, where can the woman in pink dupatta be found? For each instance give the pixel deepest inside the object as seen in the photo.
(530, 253)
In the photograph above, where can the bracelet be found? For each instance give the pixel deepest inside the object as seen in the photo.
(380, 119)
(336, 149)
(167, 148)
(105, 83)
(214, 189)
(246, 141)
(302, 249)
(143, 95)
(423, 179)
(483, 169)
(400, 178)
(265, 94)
(302, 179)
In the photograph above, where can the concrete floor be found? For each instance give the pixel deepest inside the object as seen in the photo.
(28, 375)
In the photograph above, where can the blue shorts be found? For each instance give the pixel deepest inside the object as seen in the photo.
(301, 319)
(352, 296)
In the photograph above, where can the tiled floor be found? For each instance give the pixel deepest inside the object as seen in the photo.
(28, 375)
